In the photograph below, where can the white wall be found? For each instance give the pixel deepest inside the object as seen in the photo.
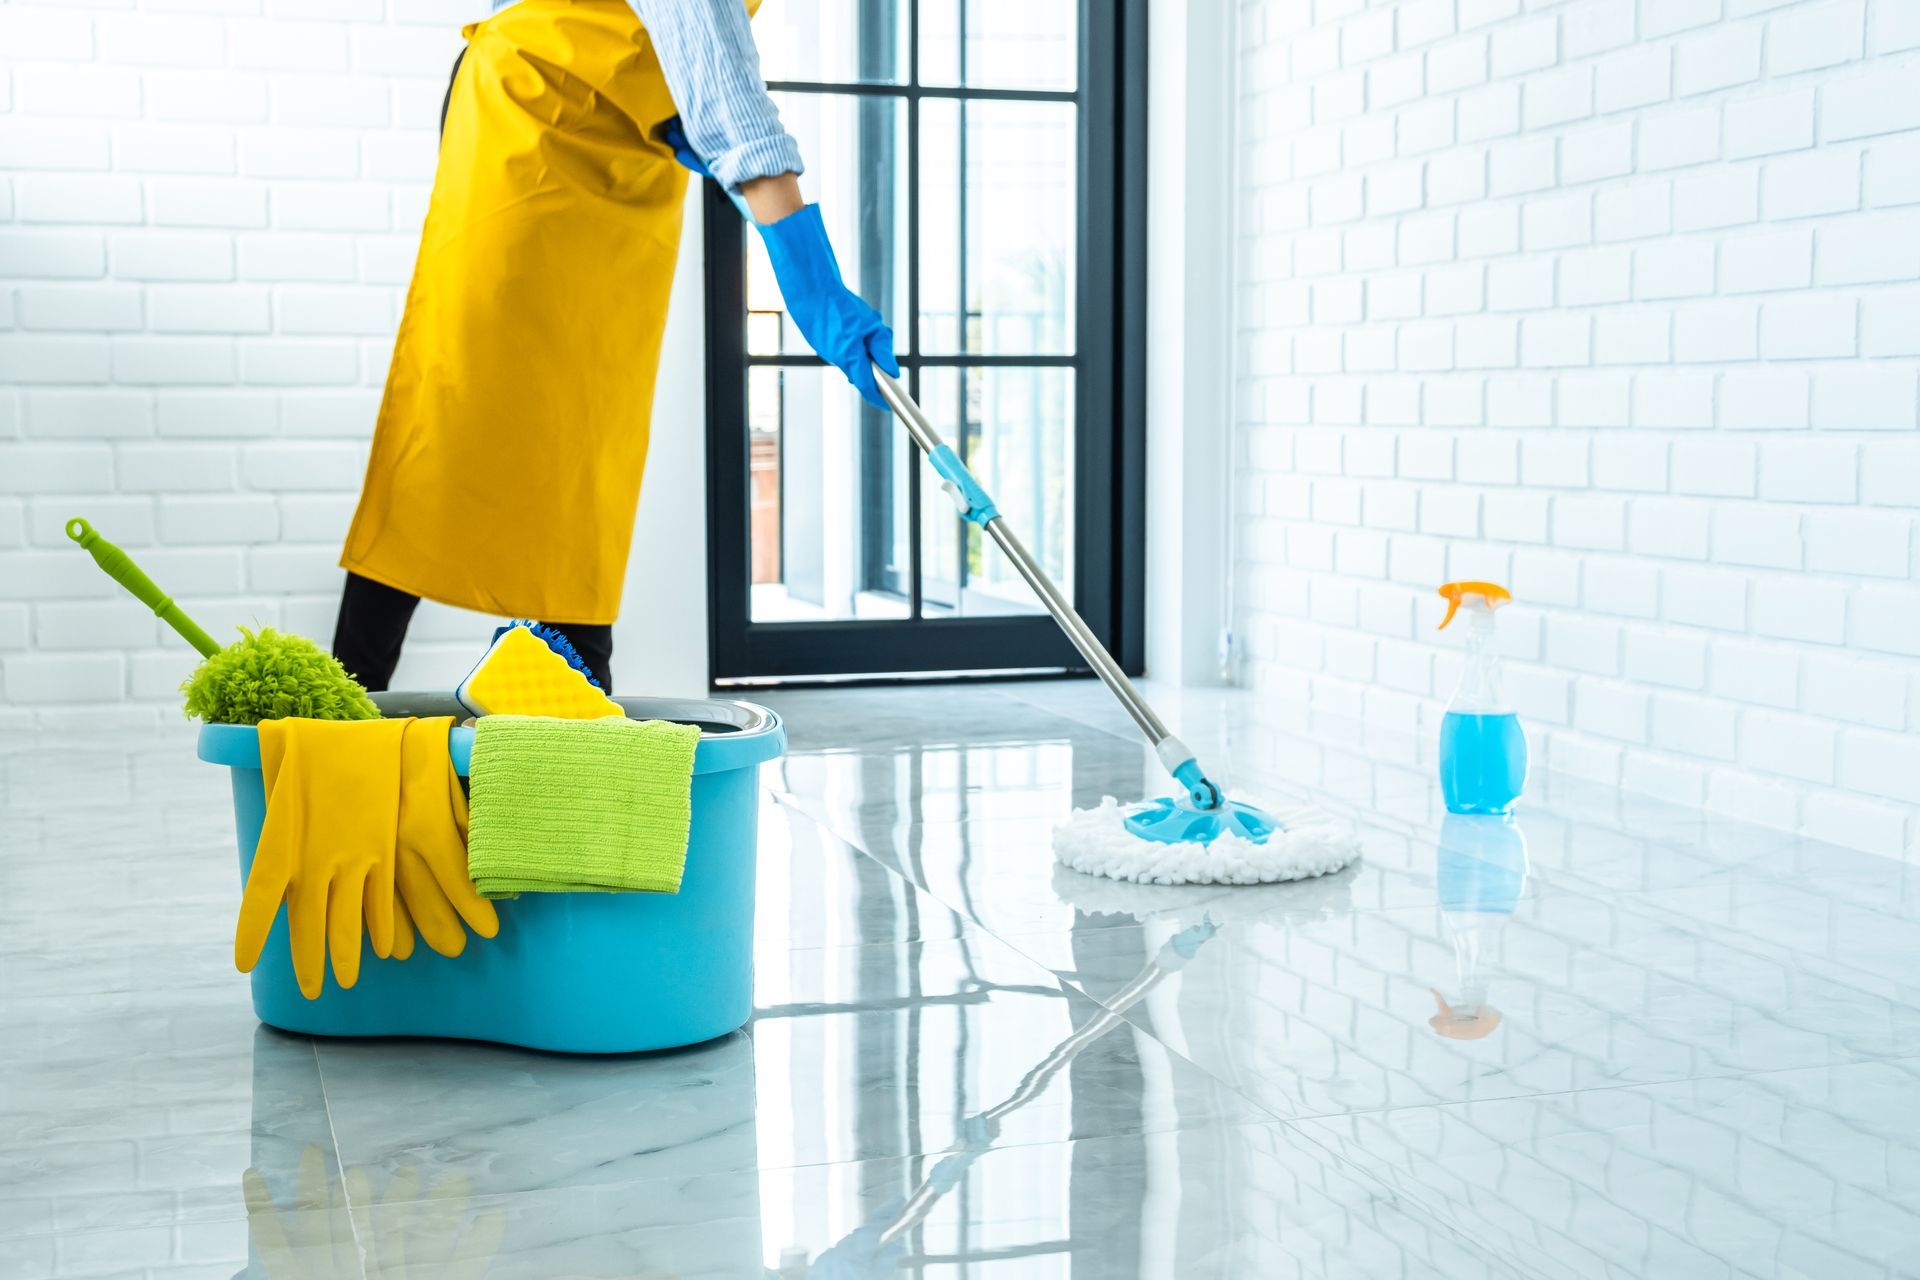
(1616, 304)
(1189, 337)
(208, 215)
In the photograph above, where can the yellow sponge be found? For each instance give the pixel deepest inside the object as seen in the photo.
(521, 676)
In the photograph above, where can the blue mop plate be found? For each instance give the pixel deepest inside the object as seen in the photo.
(1171, 822)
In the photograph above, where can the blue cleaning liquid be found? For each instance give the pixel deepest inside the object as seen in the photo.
(1483, 761)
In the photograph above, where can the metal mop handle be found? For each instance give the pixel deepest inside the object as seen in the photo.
(977, 507)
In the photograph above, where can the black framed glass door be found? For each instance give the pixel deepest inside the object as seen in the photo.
(980, 166)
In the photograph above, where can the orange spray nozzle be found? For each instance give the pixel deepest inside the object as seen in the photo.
(1454, 592)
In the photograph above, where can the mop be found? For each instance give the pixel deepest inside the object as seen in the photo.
(1197, 835)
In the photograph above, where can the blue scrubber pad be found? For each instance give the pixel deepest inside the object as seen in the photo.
(555, 640)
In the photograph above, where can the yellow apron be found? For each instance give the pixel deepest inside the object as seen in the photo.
(507, 457)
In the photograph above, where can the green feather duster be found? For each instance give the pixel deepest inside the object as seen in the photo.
(270, 675)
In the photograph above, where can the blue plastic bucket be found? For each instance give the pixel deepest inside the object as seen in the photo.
(572, 972)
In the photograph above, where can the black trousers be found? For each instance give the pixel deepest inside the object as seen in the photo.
(373, 623)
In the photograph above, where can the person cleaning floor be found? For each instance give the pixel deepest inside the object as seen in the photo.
(507, 457)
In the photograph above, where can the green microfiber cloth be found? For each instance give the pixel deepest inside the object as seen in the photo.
(579, 806)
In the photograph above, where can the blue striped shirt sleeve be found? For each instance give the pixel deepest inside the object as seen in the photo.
(712, 68)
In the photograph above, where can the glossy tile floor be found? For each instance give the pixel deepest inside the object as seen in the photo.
(1619, 1039)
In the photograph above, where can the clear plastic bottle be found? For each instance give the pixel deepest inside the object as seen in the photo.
(1483, 753)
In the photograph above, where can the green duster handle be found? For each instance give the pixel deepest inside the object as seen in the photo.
(121, 568)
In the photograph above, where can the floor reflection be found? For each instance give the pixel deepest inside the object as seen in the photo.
(1611, 1038)
(1481, 873)
(865, 1054)
(883, 1243)
(414, 1230)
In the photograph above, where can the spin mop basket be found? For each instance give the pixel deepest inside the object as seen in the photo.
(570, 972)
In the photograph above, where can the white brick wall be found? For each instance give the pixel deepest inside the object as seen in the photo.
(208, 214)
(1617, 303)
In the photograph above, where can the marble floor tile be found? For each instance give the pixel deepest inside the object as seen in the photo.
(303, 1244)
(888, 717)
(816, 890)
(973, 826)
(1225, 1201)
(1615, 1038)
(1806, 1173)
(1410, 1007)
(116, 1114)
(853, 1053)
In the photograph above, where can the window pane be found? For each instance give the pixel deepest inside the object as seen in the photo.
(1018, 440)
(855, 153)
(827, 525)
(999, 44)
(997, 216)
(864, 41)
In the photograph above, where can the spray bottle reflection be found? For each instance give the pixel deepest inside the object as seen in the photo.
(1482, 871)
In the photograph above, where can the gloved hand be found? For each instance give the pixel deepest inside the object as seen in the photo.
(836, 322)
(675, 136)
(430, 864)
(327, 846)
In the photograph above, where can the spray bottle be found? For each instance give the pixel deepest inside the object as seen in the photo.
(1483, 753)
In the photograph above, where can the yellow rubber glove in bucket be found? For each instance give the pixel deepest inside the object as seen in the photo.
(430, 871)
(327, 846)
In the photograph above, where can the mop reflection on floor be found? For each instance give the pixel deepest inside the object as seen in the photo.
(1481, 871)
(875, 1248)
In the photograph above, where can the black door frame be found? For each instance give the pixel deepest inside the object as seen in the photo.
(1109, 409)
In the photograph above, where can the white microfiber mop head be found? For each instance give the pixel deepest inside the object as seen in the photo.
(1225, 905)
(1308, 843)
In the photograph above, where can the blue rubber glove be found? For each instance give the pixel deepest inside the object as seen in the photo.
(676, 137)
(836, 322)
